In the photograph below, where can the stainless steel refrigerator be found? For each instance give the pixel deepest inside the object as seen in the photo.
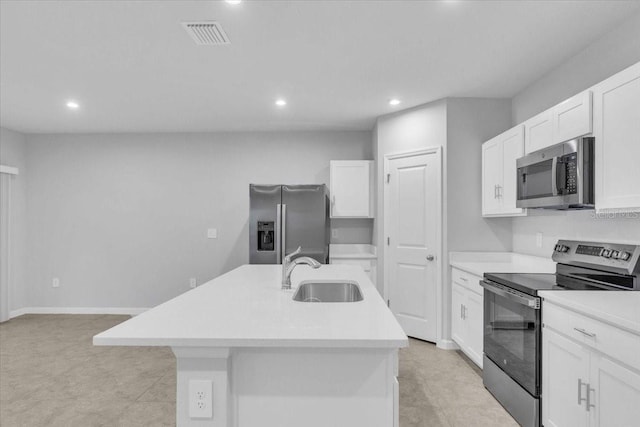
(284, 217)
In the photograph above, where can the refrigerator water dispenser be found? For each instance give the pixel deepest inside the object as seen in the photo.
(266, 237)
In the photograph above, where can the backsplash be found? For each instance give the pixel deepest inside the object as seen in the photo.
(576, 225)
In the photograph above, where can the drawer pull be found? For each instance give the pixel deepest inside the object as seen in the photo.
(583, 332)
(464, 279)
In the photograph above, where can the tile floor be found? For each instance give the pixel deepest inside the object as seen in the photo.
(51, 375)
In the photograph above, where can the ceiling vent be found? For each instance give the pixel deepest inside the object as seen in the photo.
(206, 33)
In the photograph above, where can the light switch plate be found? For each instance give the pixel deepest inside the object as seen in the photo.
(212, 233)
(539, 239)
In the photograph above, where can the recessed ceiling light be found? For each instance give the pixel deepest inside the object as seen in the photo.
(394, 102)
(234, 1)
(73, 105)
(281, 102)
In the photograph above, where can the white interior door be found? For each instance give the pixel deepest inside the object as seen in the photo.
(413, 213)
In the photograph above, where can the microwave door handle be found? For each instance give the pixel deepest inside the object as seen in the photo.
(554, 176)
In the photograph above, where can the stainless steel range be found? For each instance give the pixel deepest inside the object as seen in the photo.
(512, 316)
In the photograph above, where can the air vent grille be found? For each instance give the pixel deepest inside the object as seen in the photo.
(207, 33)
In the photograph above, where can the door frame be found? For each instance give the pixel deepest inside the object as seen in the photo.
(386, 227)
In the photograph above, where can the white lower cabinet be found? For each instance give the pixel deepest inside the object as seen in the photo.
(582, 384)
(467, 314)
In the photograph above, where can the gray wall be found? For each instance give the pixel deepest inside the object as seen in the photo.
(603, 58)
(611, 53)
(471, 122)
(122, 219)
(408, 130)
(460, 126)
(13, 152)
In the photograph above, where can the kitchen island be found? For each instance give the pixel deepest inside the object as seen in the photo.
(272, 361)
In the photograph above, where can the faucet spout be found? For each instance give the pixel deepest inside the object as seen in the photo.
(288, 265)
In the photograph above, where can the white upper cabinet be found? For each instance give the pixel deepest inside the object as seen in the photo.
(567, 120)
(572, 118)
(499, 155)
(350, 188)
(538, 132)
(616, 128)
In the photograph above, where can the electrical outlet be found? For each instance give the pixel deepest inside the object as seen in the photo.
(200, 399)
(55, 283)
(192, 282)
(334, 233)
(212, 233)
(539, 239)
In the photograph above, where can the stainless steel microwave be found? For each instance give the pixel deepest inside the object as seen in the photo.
(557, 177)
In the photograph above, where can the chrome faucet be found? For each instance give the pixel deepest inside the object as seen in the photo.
(288, 265)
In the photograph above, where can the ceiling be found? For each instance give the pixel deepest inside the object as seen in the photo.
(132, 67)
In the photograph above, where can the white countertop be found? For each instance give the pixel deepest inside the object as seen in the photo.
(479, 263)
(247, 308)
(350, 251)
(618, 308)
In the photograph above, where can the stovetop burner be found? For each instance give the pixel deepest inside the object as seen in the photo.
(532, 283)
(584, 266)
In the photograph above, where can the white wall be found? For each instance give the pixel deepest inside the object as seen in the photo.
(583, 225)
(13, 152)
(122, 219)
(610, 54)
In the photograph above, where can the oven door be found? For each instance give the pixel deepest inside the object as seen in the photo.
(512, 333)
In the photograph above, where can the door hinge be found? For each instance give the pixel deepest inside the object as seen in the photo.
(388, 177)
(388, 241)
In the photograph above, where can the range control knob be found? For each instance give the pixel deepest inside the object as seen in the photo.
(563, 248)
(624, 256)
(615, 254)
(606, 253)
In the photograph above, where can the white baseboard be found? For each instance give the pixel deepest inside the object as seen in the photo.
(132, 311)
(447, 345)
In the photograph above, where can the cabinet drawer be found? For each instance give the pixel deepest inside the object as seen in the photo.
(614, 342)
(468, 280)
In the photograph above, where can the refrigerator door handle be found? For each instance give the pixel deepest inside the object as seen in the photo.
(278, 235)
(283, 226)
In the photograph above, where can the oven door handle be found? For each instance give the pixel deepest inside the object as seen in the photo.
(512, 295)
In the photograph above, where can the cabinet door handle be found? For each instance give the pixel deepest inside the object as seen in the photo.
(464, 279)
(580, 398)
(583, 332)
(495, 191)
(461, 312)
(589, 390)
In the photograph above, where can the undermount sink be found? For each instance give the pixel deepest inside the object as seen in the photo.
(328, 291)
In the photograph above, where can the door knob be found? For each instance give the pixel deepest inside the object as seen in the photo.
(430, 257)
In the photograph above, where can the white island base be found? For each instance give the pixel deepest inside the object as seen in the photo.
(272, 361)
(311, 387)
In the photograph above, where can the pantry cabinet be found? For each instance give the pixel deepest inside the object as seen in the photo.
(499, 156)
(350, 188)
(590, 371)
(467, 314)
(616, 107)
